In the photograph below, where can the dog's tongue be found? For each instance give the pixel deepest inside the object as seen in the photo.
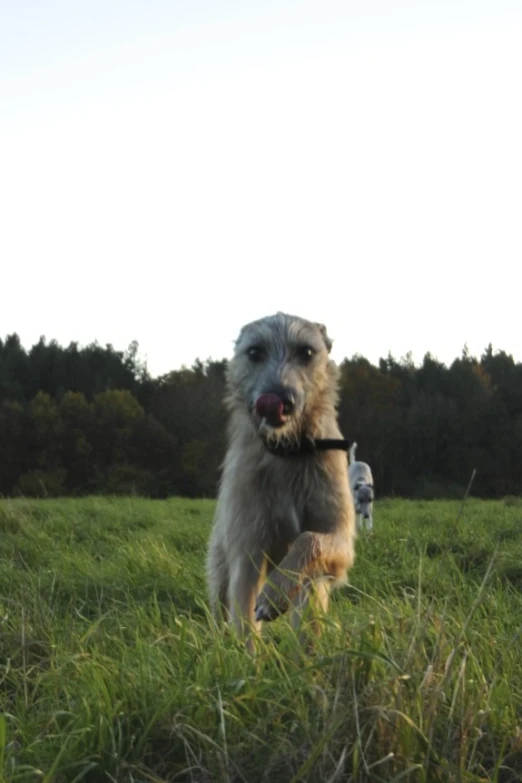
(270, 407)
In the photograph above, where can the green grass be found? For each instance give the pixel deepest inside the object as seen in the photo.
(110, 671)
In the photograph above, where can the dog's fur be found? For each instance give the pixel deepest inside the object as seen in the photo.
(361, 484)
(291, 518)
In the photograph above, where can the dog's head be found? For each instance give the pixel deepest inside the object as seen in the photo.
(363, 499)
(281, 375)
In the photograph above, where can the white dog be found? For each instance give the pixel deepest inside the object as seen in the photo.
(361, 484)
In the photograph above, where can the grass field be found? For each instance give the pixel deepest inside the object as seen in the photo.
(109, 670)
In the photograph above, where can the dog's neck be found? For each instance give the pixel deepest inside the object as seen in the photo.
(311, 439)
(305, 446)
(307, 443)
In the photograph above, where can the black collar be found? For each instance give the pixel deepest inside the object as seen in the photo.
(306, 446)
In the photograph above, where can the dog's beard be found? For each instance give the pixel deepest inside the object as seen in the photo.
(287, 434)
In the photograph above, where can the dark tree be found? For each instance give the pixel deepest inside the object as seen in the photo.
(78, 420)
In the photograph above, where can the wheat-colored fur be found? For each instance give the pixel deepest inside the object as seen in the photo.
(289, 518)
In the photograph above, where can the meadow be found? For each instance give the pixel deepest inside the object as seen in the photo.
(111, 671)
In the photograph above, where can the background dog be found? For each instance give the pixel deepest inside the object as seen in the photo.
(361, 484)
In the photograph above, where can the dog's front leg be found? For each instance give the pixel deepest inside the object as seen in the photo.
(312, 555)
(246, 577)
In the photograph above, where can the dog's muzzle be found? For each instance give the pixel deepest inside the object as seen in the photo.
(275, 409)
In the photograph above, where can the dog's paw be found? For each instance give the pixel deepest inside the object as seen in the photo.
(269, 605)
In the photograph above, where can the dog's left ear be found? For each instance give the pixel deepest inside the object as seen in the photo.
(327, 340)
(240, 336)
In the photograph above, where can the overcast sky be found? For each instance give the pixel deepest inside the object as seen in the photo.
(172, 170)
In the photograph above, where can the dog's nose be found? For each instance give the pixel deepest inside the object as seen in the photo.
(287, 397)
(275, 406)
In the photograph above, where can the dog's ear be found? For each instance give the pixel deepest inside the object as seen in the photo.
(327, 340)
(241, 334)
(237, 340)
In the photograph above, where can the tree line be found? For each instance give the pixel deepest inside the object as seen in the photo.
(77, 420)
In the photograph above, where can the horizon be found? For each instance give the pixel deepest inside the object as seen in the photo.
(141, 359)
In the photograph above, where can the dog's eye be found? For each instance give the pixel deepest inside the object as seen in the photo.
(305, 353)
(256, 353)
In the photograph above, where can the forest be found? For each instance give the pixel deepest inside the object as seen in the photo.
(91, 420)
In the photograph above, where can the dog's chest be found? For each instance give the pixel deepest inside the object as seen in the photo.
(291, 499)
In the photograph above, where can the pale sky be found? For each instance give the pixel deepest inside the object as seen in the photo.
(172, 170)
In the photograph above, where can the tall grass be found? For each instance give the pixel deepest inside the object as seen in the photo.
(111, 671)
